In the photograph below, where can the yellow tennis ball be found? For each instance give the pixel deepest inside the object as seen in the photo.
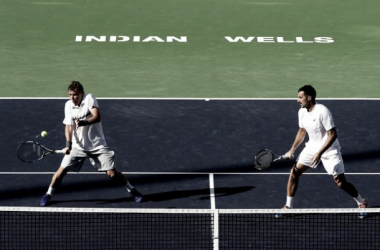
(43, 133)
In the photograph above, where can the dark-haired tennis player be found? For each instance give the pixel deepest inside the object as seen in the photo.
(85, 139)
(316, 121)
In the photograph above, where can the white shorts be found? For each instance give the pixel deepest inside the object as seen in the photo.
(102, 159)
(332, 160)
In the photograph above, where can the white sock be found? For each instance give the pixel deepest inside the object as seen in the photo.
(359, 200)
(289, 201)
(50, 191)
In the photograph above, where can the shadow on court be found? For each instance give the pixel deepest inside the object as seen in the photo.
(360, 156)
(202, 194)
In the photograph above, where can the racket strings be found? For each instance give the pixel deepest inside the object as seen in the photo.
(30, 152)
(264, 159)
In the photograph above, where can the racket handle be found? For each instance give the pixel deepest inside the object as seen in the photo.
(284, 157)
(58, 151)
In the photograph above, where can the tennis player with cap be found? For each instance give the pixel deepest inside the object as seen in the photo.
(316, 121)
(85, 139)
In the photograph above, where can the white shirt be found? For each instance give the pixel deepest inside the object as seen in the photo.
(317, 123)
(89, 137)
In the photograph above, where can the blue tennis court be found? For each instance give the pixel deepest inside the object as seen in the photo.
(190, 154)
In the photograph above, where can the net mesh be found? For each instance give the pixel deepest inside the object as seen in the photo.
(300, 230)
(104, 230)
(69, 228)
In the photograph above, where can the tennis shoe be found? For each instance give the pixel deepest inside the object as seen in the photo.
(137, 196)
(363, 215)
(45, 201)
(282, 215)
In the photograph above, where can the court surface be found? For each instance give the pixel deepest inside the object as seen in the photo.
(189, 153)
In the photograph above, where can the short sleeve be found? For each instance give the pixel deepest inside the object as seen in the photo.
(327, 119)
(68, 117)
(92, 102)
(300, 115)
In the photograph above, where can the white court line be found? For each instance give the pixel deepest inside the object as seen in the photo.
(212, 191)
(174, 173)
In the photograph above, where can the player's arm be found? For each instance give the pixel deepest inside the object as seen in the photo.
(68, 135)
(300, 137)
(94, 118)
(331, 137)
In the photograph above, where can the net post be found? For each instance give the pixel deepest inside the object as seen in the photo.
(216, 229)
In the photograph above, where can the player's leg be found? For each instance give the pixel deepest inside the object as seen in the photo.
(120, 178)
(346, 186)
(333, 164)
(55, 181)
(303, 163)
(104, 161)
(350, 189)
(69, 162)
(58, 177)
(295, 173)
(297, 170)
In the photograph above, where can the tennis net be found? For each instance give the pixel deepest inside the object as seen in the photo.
(90, 228)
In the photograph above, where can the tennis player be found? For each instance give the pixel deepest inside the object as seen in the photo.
(85, 139)
(316, 121)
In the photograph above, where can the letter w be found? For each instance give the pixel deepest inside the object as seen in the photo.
(240, 38)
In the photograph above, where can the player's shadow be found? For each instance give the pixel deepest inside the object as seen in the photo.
(372, 154)
(204, 194)
(249, 168)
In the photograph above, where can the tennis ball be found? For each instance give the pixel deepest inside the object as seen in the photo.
(43, 133)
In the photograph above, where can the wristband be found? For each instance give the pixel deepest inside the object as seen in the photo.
(82, 123)
(68, 144)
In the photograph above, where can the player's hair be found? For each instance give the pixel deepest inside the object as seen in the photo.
(76, 85)
(309, 90)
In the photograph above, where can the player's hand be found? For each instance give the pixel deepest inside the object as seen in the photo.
(81, 123)
(315, 160)
(66, 151)
(289, 154)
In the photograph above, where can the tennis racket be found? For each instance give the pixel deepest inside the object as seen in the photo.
(31, 151)
(264, 158)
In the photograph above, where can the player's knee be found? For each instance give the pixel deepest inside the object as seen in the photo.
(61, 172)
(111, 173)
(340, 182)
(295, 172)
